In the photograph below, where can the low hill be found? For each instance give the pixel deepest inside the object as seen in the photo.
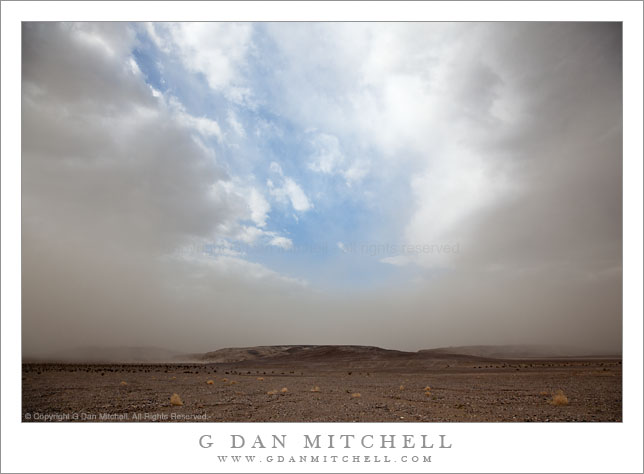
(514, 351)
(300, 352)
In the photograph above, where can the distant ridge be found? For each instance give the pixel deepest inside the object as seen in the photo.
(302, 354)
(523, 351)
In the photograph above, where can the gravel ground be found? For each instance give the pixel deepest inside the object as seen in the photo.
(467, 391)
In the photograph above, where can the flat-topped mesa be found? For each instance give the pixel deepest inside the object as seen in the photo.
(303, 352)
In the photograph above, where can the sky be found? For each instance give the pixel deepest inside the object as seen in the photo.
(194, 186)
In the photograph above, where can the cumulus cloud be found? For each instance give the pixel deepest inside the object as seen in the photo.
(101, 154)
(216, 50)
(259, 207)
(287, 190)
(205, 126)
(114, 178)
(282, 242)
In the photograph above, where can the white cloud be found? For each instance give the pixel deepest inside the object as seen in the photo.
(234, 123)
(259, 207)
(356, 172)
(327, 157)
(221, 247)
(276, 168)
(282, 242)
(288, 190)
(205, 126)
(298, 199)
(397, 260)
(418, 109)
(249, 234)
(216, 50)
(150, 29)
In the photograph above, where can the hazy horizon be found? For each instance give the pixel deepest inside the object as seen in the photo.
(195, 186)
(142, 354)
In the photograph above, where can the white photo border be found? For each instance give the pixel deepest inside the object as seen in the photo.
(483, 447)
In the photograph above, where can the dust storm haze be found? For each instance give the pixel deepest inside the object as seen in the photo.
(198, 186)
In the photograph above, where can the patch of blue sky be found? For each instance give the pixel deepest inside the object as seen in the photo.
(359, 216)
(167, 74)
(340, 243)
(146, 57)
(339, 214)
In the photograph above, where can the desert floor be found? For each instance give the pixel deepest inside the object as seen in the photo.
(469, 391)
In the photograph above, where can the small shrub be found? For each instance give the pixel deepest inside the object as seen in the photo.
(210, 382)
(224, 380)
(402, 387)
(271, 392)
(233, 382)
(427, 389)
(124, 383)
(175, 400)
(315, 389)
(356, 395)
(559, 399)
(284, 390)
